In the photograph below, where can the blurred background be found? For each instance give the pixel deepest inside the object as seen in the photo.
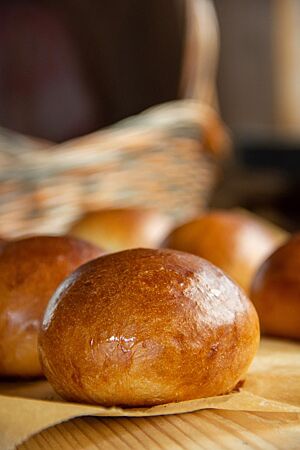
(68, 68)
(259, 92)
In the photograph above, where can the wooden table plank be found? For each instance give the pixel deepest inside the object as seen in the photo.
(208, 429)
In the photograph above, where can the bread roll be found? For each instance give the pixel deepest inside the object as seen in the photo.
(119, 229)
(30, 271)
(146, 327)
(276, 291)
(234, 240)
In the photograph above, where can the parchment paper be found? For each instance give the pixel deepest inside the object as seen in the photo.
(272, 385)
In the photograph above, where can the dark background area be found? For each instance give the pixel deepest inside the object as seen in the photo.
(70, 67)
(253, 77)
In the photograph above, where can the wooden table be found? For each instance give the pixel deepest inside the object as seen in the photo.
(207, 429)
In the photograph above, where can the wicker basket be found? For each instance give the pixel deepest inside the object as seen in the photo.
(166, 157)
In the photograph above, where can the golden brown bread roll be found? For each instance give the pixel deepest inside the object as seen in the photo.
(146, 327)
(276, 291)
(234, 240)
(30, 271)
(120, 229)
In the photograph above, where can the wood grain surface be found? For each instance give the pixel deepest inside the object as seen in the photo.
(207, 429)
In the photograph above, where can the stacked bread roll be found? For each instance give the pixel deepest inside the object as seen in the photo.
(144, 327)
(120, 229)
(276, 291)
(234, 240)
(30, 271)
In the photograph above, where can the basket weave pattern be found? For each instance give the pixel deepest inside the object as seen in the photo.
(163, 158)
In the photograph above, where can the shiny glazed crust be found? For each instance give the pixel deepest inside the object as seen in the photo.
(145, 327)
(276, 291)
(120, 229)
(237, 242)
(30, 271)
